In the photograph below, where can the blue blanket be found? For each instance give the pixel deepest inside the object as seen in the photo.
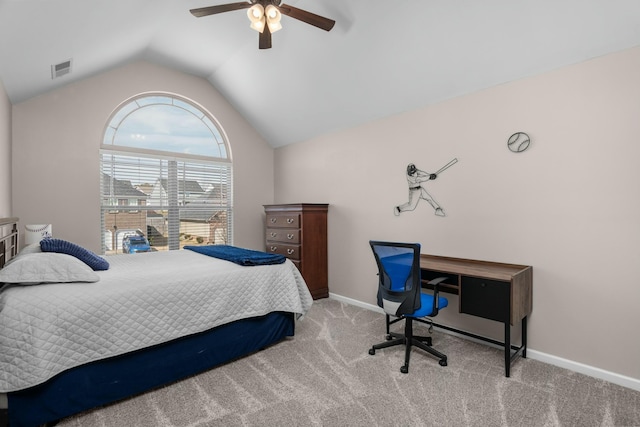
(246, 257)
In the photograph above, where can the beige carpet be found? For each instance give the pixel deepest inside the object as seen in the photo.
(325, 377)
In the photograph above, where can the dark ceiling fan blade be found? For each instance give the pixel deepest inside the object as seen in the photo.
(308, 17)
(265, 39)
(212, 10)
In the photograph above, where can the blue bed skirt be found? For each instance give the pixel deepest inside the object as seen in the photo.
(107, 381)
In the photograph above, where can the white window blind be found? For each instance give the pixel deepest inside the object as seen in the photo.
(171, 200)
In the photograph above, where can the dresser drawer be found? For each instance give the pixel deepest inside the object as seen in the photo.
(290, 251)
(282, 235)
(285, 221)
(486, 298)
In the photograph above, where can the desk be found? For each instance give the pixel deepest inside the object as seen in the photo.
(491, 290)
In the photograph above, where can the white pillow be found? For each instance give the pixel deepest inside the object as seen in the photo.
(29, 249)
(47, 267)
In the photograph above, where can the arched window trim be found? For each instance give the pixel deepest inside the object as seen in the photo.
(205, 114)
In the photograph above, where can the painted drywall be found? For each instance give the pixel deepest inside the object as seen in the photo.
(56, 138)
(5, 153)
(569, 205)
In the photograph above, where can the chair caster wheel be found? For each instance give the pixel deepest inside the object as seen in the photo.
(404, 369)
(372, 351)
(443, 362)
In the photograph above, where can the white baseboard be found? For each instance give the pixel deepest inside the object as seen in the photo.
(592, 371)
(612, 377)
(356, 303)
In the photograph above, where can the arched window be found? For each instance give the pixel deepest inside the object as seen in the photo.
(166, 176)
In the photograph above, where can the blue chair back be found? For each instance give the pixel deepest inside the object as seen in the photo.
(399, 276)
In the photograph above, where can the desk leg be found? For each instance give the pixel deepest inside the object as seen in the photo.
(507, 348)
(524, 337)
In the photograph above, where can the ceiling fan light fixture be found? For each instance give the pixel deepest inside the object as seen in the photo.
(256, 16)
(258, 25)
(265, 16)
(273, 18)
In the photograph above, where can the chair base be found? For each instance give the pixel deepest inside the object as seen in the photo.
(409, 340)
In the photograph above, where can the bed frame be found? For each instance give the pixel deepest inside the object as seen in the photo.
(106, 381)
(8, 239)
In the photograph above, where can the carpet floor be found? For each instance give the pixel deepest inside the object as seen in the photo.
(324, 376)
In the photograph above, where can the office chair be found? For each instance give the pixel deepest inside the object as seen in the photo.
(399, 294)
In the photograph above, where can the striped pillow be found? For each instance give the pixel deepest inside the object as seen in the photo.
(62, 246)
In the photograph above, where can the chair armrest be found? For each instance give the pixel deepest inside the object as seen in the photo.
(435, 282)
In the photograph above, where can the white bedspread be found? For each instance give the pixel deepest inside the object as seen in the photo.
(142, 300)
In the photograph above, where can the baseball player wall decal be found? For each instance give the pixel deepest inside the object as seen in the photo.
(415, 179)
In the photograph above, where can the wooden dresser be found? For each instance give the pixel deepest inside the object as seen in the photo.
(299, 232)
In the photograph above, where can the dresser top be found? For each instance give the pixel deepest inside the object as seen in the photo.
(297, 207)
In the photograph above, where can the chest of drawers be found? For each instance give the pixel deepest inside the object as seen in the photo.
(299, 232)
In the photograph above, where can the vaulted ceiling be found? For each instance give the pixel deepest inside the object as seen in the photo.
(380, 59)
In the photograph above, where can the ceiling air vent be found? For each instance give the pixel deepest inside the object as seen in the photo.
(59, 70)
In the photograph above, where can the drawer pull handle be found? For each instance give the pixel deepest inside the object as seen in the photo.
(274, 234)
(290, 236)
(274, 248)
(289, 220)
(273, 220)
(290, 251)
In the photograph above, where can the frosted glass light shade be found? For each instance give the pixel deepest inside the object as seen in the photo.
(273, 18)
(256, 16)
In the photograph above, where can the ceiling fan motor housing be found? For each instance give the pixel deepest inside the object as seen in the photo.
(266, 2)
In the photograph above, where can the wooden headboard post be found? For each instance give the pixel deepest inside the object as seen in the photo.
(8, 239)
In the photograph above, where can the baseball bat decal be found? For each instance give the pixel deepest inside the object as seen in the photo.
(447, 166)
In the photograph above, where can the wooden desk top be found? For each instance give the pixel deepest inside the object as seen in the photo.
(469, 267)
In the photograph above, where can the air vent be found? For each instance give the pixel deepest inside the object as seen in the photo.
(59, 70)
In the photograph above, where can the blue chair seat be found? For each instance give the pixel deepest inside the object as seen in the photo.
(426, 308)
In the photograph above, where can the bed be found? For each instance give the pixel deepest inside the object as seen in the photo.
(146, 321)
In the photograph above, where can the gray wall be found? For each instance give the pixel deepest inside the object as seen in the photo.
(5, 154)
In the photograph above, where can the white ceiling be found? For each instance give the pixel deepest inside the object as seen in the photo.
(380, 59)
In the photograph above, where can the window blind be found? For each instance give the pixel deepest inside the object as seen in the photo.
(169, 199)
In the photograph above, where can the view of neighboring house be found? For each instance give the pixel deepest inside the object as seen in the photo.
(200, 222)
(203, 221)
(125, 216)
(146, 188)
(188, 191)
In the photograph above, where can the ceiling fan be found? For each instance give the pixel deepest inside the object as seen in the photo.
(265, 16)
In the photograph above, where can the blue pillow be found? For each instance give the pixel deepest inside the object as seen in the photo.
(62, 246)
